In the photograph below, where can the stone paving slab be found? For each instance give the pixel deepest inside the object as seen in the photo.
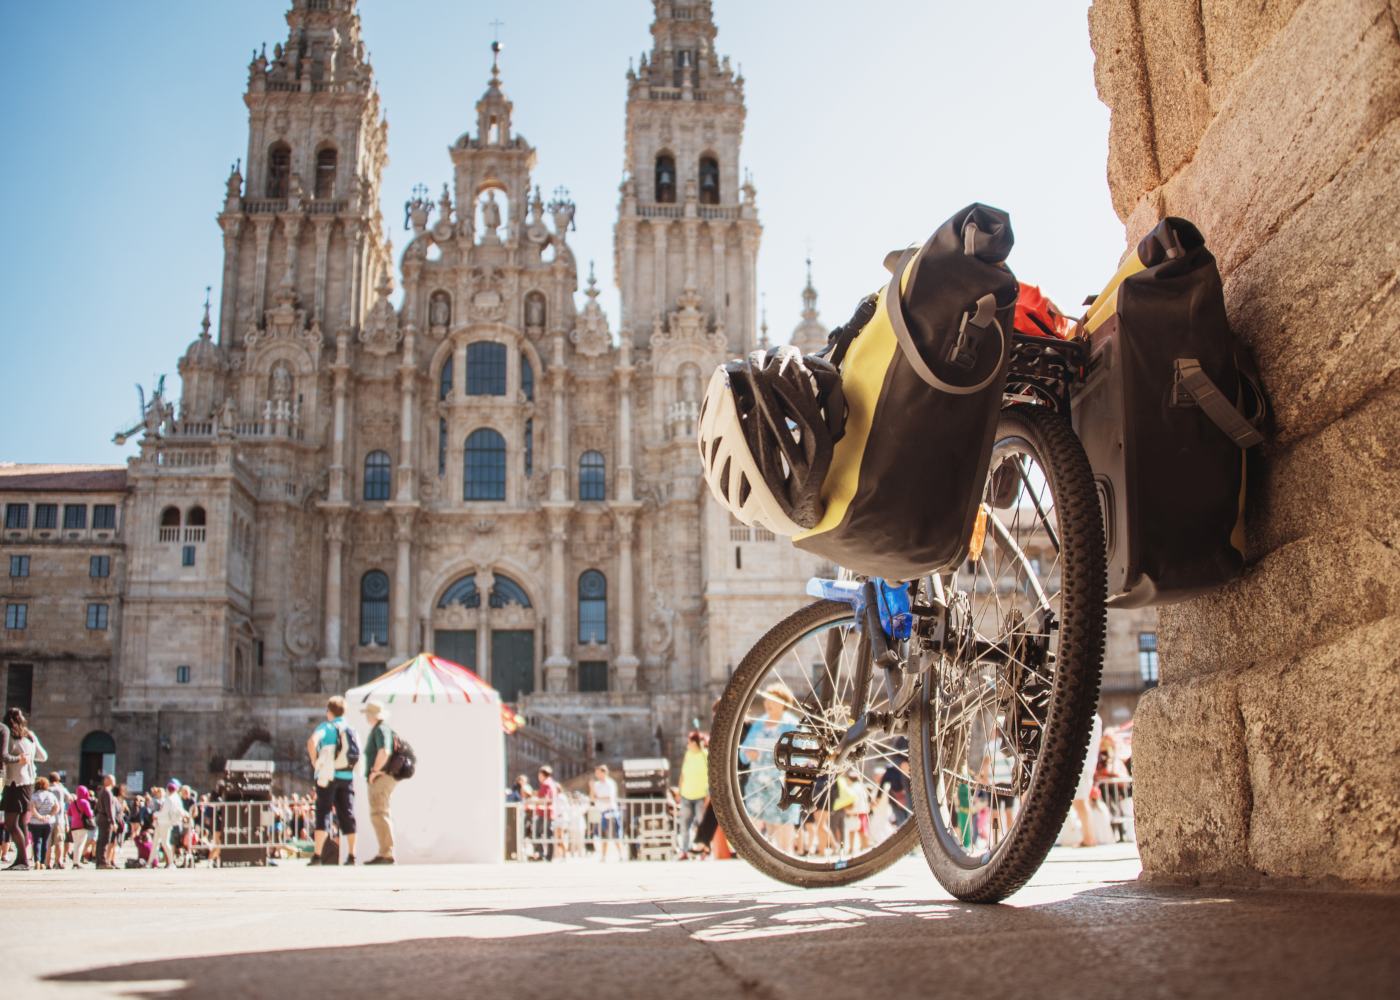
(1083, 928)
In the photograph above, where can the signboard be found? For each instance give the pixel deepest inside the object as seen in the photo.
(135, 782)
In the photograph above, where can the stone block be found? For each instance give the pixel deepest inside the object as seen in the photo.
(1235, 31)
(1174, 48)
(1319, 91)
(1347, 472)
(1319, 731)
(1309, 592)
(1191, 783)
(1122, 85)
(1318, 301)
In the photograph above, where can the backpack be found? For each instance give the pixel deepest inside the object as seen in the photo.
(922, 366)
(347, 748)
(1167, 415)
(403, 762)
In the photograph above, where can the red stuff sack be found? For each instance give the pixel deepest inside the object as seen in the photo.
(1037, 316)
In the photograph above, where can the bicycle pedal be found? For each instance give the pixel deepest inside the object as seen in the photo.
(800, 754)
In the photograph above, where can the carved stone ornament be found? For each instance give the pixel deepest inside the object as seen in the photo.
(591, 337)
(285, 321)
(487, 301)
(456, 616)
(381, 334)
(660, 633)
(686, 326)
(299, 631)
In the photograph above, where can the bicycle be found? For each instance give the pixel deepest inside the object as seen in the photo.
(986, 676)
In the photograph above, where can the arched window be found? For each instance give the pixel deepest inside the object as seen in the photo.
(529, 447)
(484, 472)
(463, 591)
(666, 179)
(592, 607)
(709, 180)
(592, 476)
(377, 475)
(196, 518)
(442, 446)
(527, 377)
(445, 379)
(325, 173)
(170, 517)
(486, 368)
(374, 608)
(279, 170)
(506, 591)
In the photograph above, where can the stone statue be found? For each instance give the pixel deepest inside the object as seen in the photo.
(534, 311)
(661, 630)
(227, 415)
(690, 383)
(439, 309)
(281, 383)
(156, 415)
(490, 214)
(235, 182)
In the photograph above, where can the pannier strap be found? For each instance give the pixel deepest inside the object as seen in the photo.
(839, 340)
(1197, 386)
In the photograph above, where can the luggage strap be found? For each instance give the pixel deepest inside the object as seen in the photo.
(1194, 386)
(838, 342)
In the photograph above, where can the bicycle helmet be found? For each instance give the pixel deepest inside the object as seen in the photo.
(766, 432)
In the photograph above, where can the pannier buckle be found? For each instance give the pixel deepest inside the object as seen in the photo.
(962, 353)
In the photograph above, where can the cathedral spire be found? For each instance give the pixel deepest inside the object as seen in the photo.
(494, 108)
(810, 335)
(809, 296)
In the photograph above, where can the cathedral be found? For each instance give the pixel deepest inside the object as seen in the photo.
(493, 469)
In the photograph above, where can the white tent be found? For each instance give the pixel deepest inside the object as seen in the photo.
(453, 808)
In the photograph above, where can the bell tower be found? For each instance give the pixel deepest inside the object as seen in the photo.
(687, 232)
(301, 220)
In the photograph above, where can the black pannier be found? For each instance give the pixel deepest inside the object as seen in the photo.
(923, 366)
(1160, 416)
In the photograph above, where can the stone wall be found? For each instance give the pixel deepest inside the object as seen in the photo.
(1268, 749)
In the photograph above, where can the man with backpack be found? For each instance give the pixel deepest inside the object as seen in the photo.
(379, 752)
(334, 750)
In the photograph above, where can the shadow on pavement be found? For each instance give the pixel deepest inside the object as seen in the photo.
(1128, 940)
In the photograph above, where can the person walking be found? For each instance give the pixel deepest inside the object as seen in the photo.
(168, 815)
(107, 813)
(58, 848)
(695, 787)
(603, 789)
(43, 814)
(379, 748)
(21, 752)
(545, 796)
(83, 822)
(331, 749)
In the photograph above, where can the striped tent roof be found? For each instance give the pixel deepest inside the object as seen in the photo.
(428, 678)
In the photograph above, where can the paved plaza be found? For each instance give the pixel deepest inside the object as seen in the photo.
(1085, 927)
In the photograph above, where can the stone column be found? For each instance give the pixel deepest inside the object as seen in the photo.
(718, 237)
(291, 233)
(340, 370)
(626, 663)
(331, 666)
(401, 604)
(748, 320)
(660, 303)
(323, 244)
(485, 580)
(228, 297)
(556, 665)
(628, 278)
(408, 418)
(352, 273)
(262, 230)
(558, 432)
(692, 237)
(624, 422)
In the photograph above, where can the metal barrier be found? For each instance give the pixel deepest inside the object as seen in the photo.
(1117, 796)
(555, 830)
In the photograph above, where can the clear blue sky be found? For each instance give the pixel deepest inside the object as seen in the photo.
(869, 123)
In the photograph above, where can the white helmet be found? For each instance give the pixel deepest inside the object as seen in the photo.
(766, 432)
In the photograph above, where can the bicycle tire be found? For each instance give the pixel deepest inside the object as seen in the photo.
(726, 795)
(1073, 694)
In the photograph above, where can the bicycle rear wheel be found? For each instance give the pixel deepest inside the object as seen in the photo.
(810, 671)
(1003, 719)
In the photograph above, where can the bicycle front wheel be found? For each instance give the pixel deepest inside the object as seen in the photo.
(1005, 713)
(811, 671)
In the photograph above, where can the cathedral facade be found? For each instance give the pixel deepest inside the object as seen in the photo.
(491, 469)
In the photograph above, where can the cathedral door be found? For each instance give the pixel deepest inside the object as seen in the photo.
(513, 662)
(457, 645)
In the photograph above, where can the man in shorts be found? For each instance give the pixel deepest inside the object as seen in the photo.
(328, 750)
